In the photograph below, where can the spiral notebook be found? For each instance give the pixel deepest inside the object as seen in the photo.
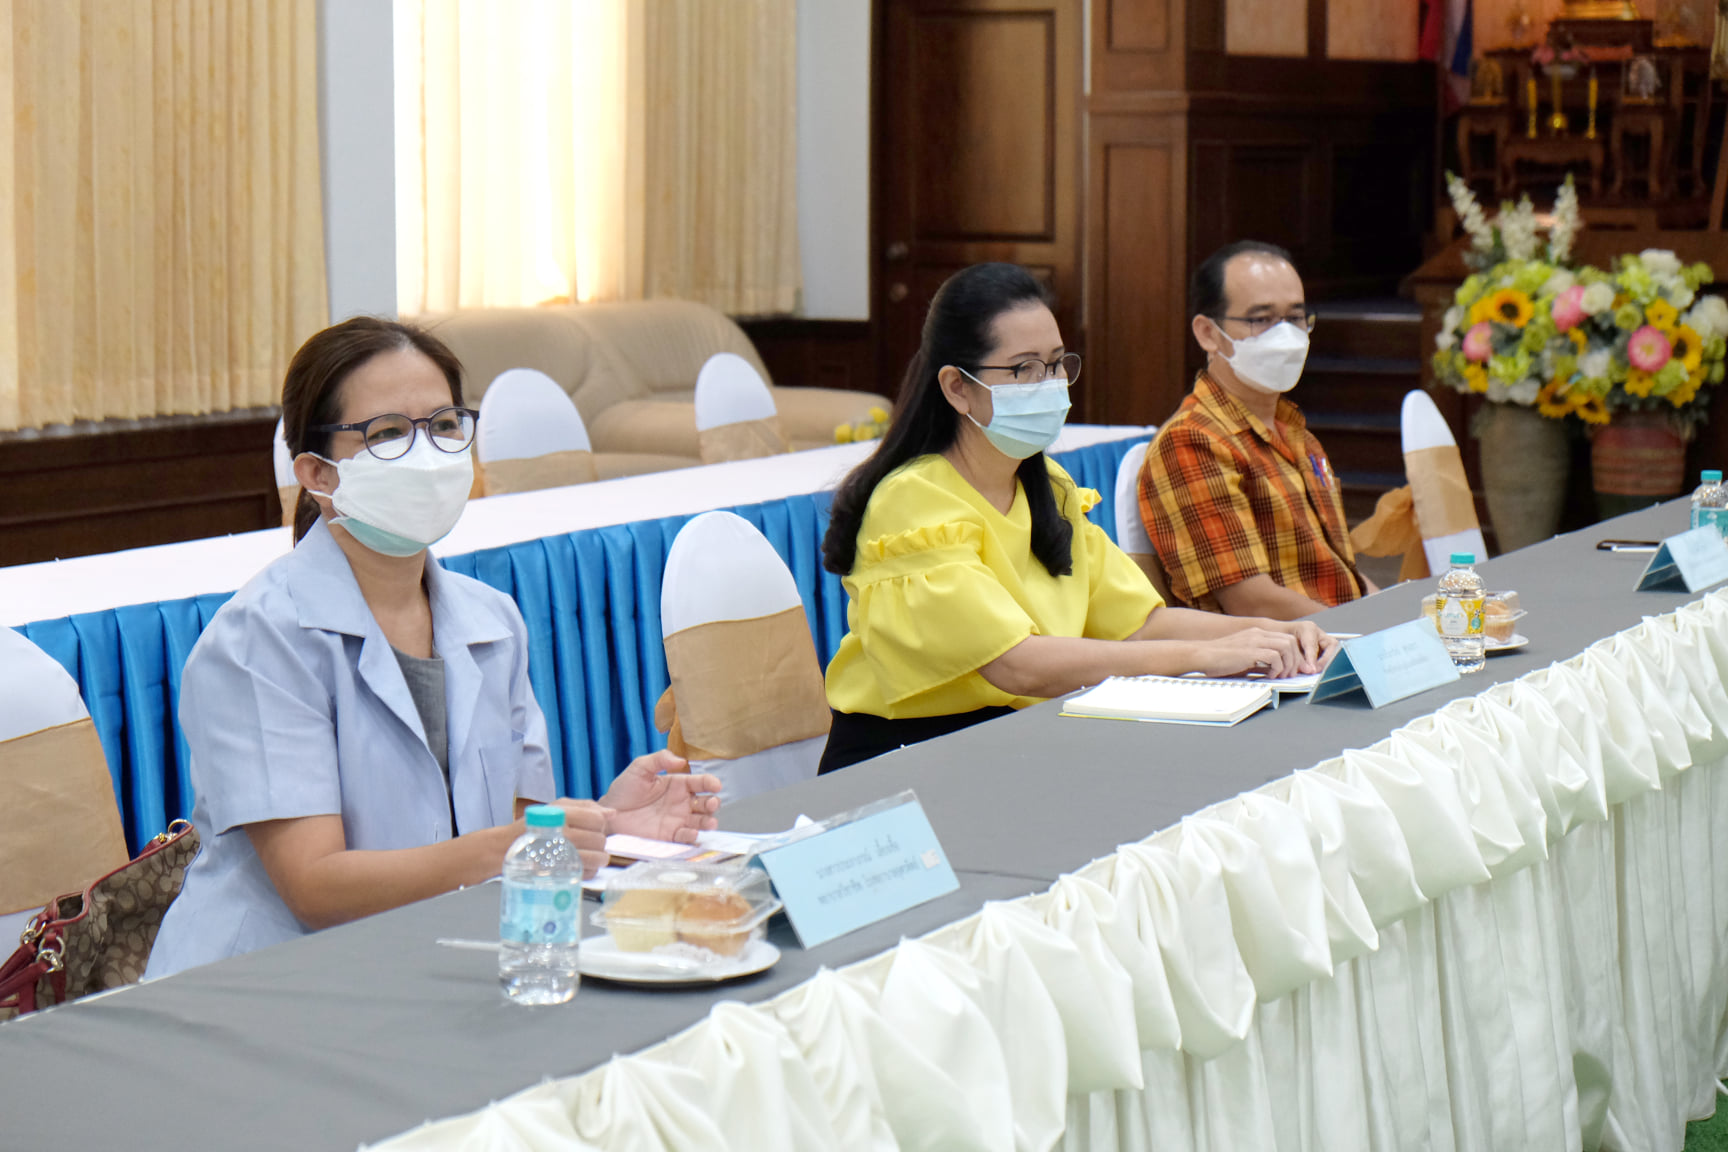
(1170, 700)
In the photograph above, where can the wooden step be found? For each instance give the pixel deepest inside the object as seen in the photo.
(1370, 331)
(1344, 384)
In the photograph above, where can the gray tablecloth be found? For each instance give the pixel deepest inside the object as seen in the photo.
(361, 1032)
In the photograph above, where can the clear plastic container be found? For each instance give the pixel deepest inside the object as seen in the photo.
(669, 905)
(540, 912)
(1500, 616)
(1458, 610)
(1710, 503)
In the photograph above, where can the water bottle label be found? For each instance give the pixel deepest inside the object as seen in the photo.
(1716, 518)
(1460, 617)
(540, 915)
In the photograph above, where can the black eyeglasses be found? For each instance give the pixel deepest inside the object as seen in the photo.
(390, 436)
(1035, 371)
(1259, 324)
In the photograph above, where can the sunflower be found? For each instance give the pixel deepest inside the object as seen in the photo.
(1579, 340)
(1510, 306)
(1682, 395)
(1661, 313)
(1686, 346)
(1552, 400)
(1640, 382)
(1593, 411)
(1476, 377)
(1478, 313)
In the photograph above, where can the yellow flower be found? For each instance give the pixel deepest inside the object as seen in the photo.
(1579, 340)
(1593, 411)
(1478, 313)
(842, 433)
(1686, 346)
(878, 415)
(1552, 401)
(1639, 382)
(1510, 306)
(1661, 313)
(1476, 377)
(1682, 395)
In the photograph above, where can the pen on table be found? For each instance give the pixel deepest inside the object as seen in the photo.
(469, 945)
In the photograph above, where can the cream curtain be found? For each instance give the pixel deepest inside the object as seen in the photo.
(161, 233)
(550, 151)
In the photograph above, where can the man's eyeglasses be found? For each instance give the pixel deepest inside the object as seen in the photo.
(1258, 324)
(1035, 371)
(390, 436)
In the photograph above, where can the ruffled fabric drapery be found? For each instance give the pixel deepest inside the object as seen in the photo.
(1500, 927)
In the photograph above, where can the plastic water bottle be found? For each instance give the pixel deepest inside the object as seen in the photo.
(1459, 605)
(1710, 503)
(540, 917)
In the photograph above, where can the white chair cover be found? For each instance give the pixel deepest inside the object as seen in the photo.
(1131, 534)
(60, 825)
(525, 414)
(1425, 429)
(729, 390)
(287, 487)
(721, 569)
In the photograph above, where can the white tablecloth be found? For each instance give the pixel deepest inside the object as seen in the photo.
(1502, 927)
(51, 590)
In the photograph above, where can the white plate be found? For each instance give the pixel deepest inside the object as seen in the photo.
(1517, 641)
(601, 958)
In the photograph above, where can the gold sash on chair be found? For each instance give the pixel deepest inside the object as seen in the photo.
(59, 827)
(1436, 503)
(742, 686)
(289, 494)
(745, 440)
(532, 473)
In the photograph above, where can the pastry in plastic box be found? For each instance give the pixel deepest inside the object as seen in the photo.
(656, 903)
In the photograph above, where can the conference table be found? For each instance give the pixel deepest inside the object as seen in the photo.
(1491, 915)
(583, 564)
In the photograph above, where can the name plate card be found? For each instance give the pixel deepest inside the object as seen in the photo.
(859, 867)
(1388, 665)
(1691, 561)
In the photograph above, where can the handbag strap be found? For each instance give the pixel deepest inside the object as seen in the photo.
(33, 960)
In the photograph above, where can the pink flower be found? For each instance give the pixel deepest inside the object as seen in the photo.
(1648, 349)
(1476, 345)
(1568, 311)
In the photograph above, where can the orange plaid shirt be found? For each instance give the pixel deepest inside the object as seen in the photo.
(1225, 498)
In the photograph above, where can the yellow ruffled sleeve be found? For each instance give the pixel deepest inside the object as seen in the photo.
(927, 610)
(1121, 597)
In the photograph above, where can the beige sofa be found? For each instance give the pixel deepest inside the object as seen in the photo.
(631, 370)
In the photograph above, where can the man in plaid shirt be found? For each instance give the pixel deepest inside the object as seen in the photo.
(1237, 495)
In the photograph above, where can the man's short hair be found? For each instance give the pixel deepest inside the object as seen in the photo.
(1206, 287)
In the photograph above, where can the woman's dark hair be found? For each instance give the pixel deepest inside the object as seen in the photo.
(960, 329)
(312, 390)
(1206, 286)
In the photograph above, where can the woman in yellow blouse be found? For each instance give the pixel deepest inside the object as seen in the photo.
(977, 584)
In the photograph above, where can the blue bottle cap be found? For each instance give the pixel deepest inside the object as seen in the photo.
(1463, 557)
(544, 816)
(1712, 476)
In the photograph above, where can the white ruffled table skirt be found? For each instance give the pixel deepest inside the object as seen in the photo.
(1503, 927)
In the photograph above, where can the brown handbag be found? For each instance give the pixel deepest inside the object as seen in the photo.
(99, 938)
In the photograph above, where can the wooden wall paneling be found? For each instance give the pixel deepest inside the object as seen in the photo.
(816, 353)
(1136, 268)
(1138, 45)
(978, 154)
(131, 484)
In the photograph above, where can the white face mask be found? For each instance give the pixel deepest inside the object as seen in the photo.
(1271, 361)
(402, 506)
(1025, 419)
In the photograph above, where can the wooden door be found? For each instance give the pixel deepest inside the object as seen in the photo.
(978, 156)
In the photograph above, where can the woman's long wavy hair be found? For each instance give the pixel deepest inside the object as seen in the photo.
(312, 389)
(959, 330)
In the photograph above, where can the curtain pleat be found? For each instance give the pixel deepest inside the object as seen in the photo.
(608, 150)
(161, 226)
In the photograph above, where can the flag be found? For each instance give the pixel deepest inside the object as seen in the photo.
(1459, 48)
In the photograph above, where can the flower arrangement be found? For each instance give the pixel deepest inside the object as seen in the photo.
(1568, 56)
(871, 429)
(1577, 340)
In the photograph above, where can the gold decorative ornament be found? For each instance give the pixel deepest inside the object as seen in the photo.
(1597, 10)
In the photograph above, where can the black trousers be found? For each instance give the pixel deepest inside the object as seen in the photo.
(857, 736)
